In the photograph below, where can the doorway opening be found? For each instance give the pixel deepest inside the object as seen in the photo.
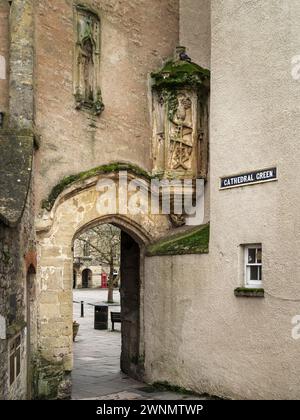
(87, 278)
(105, 352)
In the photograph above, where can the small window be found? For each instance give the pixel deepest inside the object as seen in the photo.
(253, 266)
(14, 359)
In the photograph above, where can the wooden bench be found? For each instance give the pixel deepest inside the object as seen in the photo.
(115, 317)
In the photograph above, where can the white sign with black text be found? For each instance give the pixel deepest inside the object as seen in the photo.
(249, 178)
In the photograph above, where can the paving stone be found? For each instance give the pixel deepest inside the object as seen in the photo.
(96, 373)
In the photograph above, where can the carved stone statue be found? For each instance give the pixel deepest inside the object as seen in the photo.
(181, 134)
(180, 119)
(87, 61)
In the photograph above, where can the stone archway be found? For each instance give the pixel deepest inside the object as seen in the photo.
(75, 210)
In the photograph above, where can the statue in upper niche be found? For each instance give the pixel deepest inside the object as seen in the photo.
(180, 97)
(181, 134)
(87, 65)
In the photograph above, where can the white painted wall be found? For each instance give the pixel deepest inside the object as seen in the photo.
(198, 334)
(195, 30)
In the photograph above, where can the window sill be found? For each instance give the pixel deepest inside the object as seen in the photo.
(247, 292)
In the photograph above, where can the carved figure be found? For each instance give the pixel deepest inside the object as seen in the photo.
(181, 134)
(87, 65)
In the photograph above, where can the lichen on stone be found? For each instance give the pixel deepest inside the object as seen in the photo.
(16, 156)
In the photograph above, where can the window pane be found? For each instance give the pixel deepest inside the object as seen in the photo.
(18, 357)
(11, 369)
(259, 256)
(254, 273)
(251, 255)
(260, 273)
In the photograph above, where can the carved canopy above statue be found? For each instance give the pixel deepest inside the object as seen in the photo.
(180, 119)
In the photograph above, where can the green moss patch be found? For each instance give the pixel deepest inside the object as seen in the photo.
(166, 387)
(47, 376)
(194, 241)
(82, 176)
(15, 328)
(246, 292)
(179, 73)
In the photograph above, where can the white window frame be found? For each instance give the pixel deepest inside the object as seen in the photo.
(257, 284)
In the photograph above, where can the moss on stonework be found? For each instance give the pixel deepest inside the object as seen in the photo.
(6, 256)
(167, 387)
(22, 132)
(177, 73)
(47, 378)
(16, 154)
(82, 176)
(194, 241)
(249, 292)
(246, 289)
(15, 328)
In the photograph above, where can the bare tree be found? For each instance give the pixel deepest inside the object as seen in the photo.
(102, 243)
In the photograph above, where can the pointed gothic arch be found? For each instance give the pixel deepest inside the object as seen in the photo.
(74, 211)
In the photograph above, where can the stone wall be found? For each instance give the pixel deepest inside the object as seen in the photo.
(136, 38)
(4, 11)
(17, 242)
(17, 253)
(198, 334)
(21, 57)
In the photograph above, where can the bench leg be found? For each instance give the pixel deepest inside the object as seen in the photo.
(113, 326)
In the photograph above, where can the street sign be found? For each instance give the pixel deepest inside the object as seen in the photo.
(249, 178)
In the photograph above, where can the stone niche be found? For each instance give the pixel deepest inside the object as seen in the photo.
(87, 91)
(180, 95)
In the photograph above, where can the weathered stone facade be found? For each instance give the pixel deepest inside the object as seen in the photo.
(4, 46)
(135, 40)
(188, 327)
(17, 254)
(17, 235)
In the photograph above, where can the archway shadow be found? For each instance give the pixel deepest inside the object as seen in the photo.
(104, 361)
